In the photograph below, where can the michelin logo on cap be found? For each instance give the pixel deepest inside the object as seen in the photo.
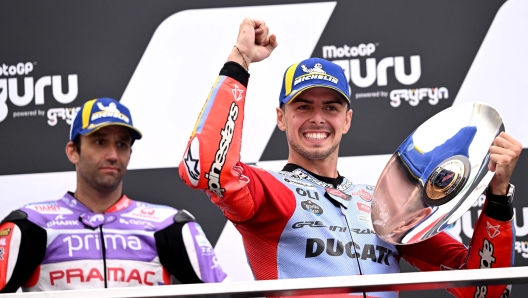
(110, 111)
(315, 73)
(100, 112)
(310, 73)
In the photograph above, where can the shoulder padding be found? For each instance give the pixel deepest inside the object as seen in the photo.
(15, 215)
(183, 216)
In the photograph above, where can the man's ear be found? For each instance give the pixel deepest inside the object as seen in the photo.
(71, 153)
(280, 119)
(348, 121)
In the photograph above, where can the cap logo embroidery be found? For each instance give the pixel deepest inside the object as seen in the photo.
(318, 68)
(109, 111)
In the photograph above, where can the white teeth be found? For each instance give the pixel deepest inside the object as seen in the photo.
(315, 135)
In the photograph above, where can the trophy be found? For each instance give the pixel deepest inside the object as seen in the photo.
(436, 174)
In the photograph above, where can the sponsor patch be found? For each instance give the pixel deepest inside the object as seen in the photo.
(49, 209)
(298, 183)
(221, 154)
(314, 195)
(5, 232)
(300, 174)
(364, 218)
(363, 207)
(486, 255)
(53, 223)
(1, 253)
(365, 195)
(110, 111)
(150, 214)
(135, 276)
(315, 73)
(3, 241)
(335, 193)
(336, 248)
(493, 231)
(312, 207)
(312, 224)
(486, 261)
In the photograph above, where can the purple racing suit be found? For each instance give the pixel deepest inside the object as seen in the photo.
(62, 245)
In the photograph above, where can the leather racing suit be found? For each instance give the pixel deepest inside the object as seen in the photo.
(295, 224)
(62, 245)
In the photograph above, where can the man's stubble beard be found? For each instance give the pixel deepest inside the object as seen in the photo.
(315, 154)
(103, 183)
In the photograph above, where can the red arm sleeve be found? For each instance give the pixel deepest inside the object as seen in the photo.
(211, 161)
(492, 246)
(213, 150)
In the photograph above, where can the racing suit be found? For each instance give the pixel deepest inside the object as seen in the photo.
(62, 245)
(295, 224)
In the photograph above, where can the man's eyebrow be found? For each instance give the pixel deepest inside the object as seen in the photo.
(334, 100)
(126, 137)
(302, 100)
(98, 134)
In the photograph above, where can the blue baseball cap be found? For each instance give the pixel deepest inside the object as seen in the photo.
(101, 112)
(313, 72)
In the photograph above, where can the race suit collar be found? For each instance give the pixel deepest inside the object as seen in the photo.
(290, 167)
(121, 204)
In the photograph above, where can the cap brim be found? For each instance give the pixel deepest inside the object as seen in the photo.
(136, 134)
(288, 99)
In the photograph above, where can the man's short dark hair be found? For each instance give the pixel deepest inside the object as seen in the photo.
(77, 143)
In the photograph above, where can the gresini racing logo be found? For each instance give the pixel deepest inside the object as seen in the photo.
(299, 174)
(220, 156)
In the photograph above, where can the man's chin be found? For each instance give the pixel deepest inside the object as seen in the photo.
(108, 185)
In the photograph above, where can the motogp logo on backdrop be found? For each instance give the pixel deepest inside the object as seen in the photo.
(376, 73)
(31, 89)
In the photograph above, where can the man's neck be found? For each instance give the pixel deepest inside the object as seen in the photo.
(97, 201)
(323, 167)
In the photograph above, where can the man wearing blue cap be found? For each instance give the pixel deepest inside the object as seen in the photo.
(307, 220)
(97, 237)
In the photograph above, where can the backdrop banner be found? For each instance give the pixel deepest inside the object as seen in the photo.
(405, 60)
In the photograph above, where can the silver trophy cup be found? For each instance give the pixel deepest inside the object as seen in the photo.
(436, 174)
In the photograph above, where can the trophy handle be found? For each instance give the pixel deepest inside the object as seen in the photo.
(436, 174)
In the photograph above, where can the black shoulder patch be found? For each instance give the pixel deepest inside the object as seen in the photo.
(15, 215)
(183, 216)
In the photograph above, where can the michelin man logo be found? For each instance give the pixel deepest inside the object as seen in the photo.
(109, 111)
(318, 68)
(111, 108)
